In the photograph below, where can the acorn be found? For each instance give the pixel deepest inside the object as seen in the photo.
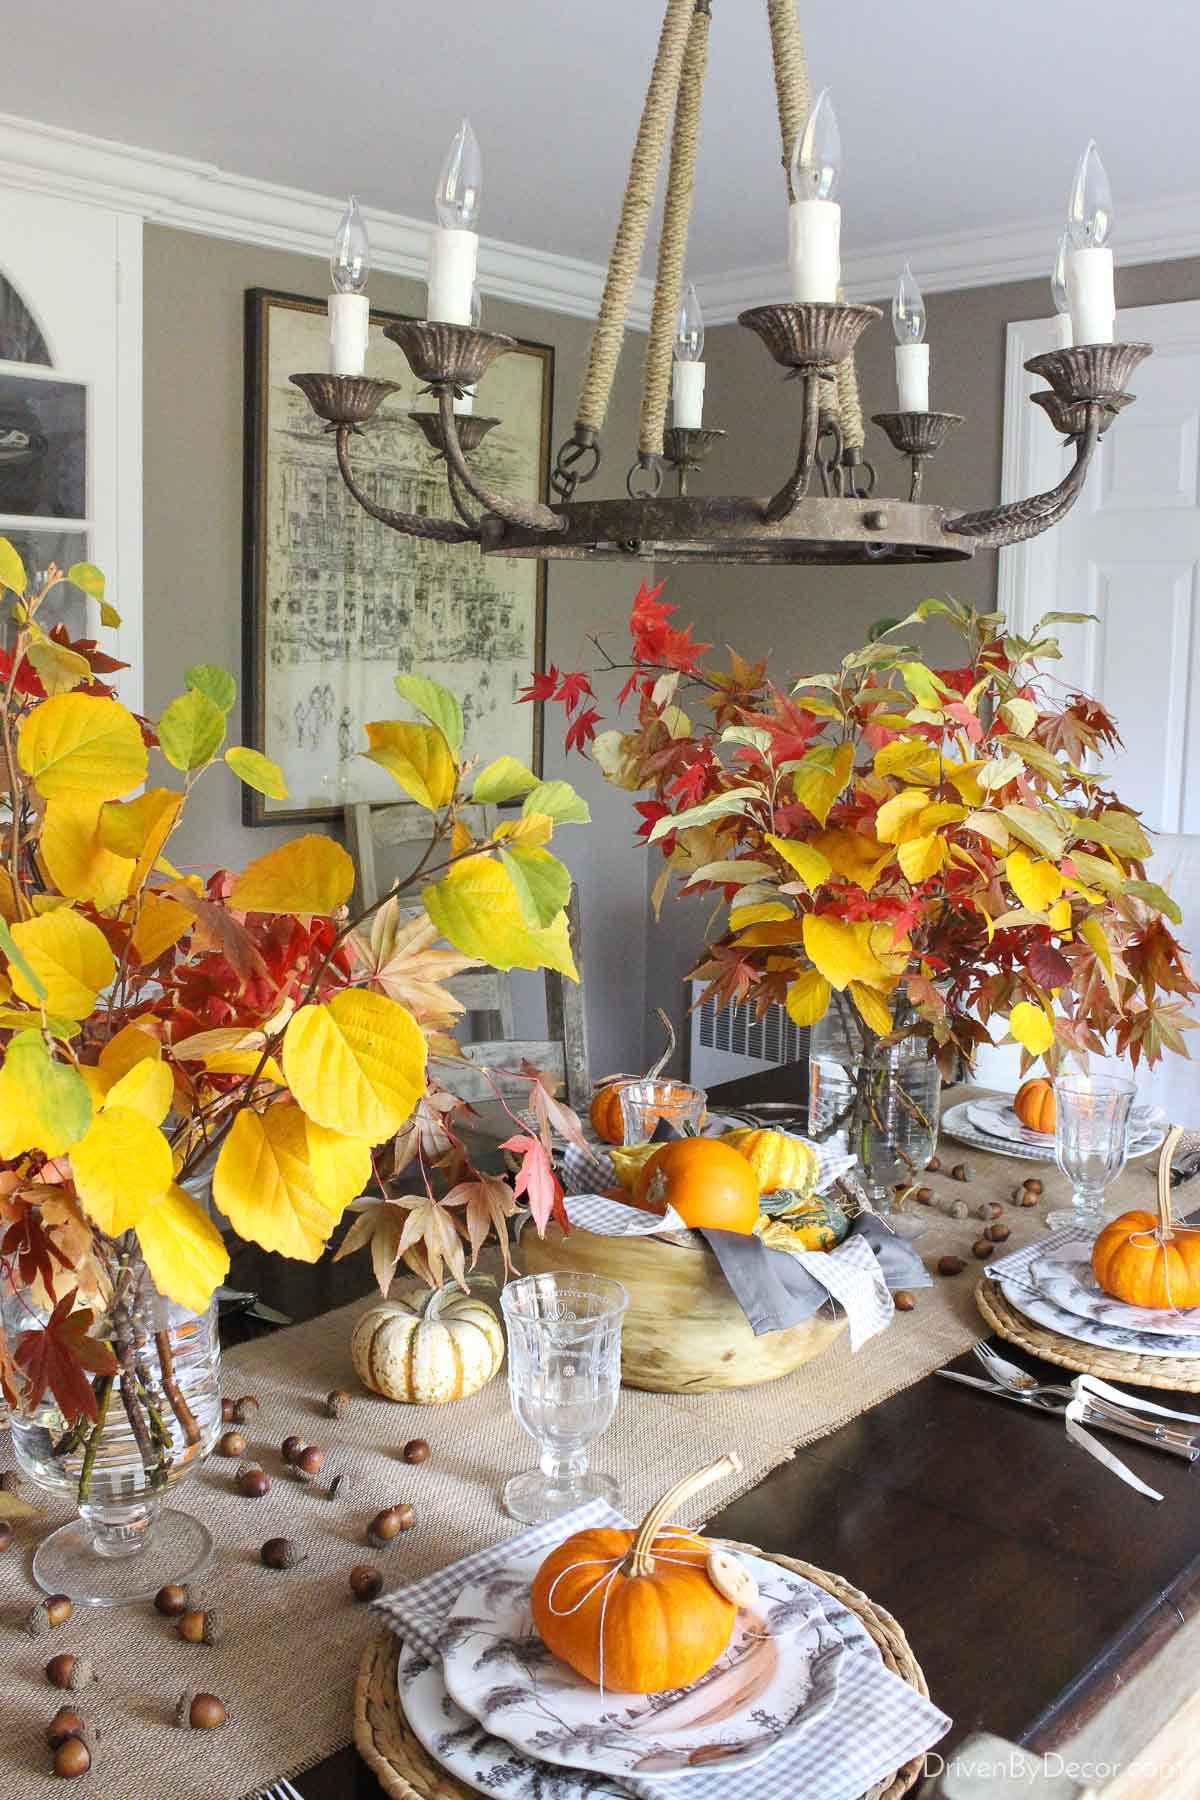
(307, 1465)
(7, 1536)
(1025, 1198)
(924, 1196)
(280, 1553)
(933, 1165)
(232, 1444)
(71, 1759)
(365, 1581)
(290, 1449)
(173, 1600)
(957, 1209)
(982, 1249)
(989, 1209)
(903, 1301)
(68, 1671)
(66, 1723)
(390, 1524)
(200, 1712)
(227, 1407)
(416, 1451)
(201, 1625)
(997, 1234)
(961, 1172)
(1032, 1184)
(245, 1409)
(253, 1481)
(54, 1610)
(337, 1403)
(950, 1265)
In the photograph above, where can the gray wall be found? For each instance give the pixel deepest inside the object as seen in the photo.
(194, 292)
(808, 619)
(805, 619)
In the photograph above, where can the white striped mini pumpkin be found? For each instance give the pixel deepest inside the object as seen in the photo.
(427, 1347)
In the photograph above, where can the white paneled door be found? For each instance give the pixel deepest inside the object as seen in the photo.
(1129, 553)
(71, 407)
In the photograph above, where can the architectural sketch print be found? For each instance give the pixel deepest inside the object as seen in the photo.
(337, 604)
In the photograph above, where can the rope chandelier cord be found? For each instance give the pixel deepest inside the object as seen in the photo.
(811, 338)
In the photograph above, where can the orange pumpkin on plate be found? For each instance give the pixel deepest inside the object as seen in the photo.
(606, 1604)
(707, 1182)
(1135, 1261)
(1033, 1104)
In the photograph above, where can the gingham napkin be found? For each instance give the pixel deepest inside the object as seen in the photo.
(591, 1171)
(878, 1723)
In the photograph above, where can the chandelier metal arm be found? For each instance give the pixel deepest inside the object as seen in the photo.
(530, 513)
(796, 486)
(465, 513)
(443, 531)
(1012, 524)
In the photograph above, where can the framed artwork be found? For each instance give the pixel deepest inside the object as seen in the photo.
(335, 604)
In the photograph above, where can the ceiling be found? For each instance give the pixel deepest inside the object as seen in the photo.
(954, 117)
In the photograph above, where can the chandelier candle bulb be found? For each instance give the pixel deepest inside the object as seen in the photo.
(687, 389)
(454, 243)
(1089, 262)
(912, 353)
(815, 218)
(349, 308)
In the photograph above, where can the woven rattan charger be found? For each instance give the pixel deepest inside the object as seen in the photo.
(1182, 1373)
(405, 1770)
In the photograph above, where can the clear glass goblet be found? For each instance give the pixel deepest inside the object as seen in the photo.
(1091, 1141)
(564, 1370)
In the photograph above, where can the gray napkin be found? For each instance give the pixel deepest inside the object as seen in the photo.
(775, 1291)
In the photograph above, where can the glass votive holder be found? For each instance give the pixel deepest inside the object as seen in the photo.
(645, 1105)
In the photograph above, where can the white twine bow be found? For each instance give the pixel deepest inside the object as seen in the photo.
(1083, 1385)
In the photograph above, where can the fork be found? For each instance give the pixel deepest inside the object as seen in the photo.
(283, 1790)
(1017, 1381)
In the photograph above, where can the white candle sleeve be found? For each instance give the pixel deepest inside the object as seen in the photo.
(1091, 295)
(912, 377)
(687, 396)
(1064, 337)
(452, 258)
(349, 328)
(467, 402)
(814, 248)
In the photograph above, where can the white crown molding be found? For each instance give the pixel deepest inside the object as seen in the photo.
(1159, 233)
(202, 197)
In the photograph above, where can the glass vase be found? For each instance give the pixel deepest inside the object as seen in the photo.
(156, 1421)
(882, 1093)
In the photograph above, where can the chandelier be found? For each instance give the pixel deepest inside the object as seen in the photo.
(812, 337)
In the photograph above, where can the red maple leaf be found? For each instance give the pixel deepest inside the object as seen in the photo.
(542, 684)
(537, 1181)
(583, 729)
(652, 811)
(59, 1355)
(1048, 966)
(572, 689)
(689, 788)
(28, 680)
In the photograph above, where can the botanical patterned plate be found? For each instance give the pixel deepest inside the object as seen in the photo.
(1044, 1311)
(1065, 1277)
(779, 1674)
(996, 1118)
(956, 1124)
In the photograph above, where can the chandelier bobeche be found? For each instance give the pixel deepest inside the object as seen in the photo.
(812, 336)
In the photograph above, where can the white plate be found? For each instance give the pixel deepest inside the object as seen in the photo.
(956, 1123)
(1065, 1277)
(778, 1676)
(1087, 1331)
(996, 1118)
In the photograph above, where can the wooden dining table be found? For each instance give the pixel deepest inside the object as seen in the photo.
(1032, 1585)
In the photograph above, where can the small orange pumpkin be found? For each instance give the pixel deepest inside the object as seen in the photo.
(1142, 1259)
(1033, 1104)
(650, 1623)
(707, 1182)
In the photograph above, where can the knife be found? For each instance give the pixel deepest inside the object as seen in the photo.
(1175, 1443)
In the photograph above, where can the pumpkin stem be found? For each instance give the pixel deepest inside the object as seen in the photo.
(1166, 1222)
(657, 1068)
(641, 1561)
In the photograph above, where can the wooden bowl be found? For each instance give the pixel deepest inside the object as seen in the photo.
(683, 1333)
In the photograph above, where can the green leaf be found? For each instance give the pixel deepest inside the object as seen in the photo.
(1064, 618)
(753, 735)
(502, 780)
(1035, 829)
(435, 703)
(721, 806)
(44, 1105)
(558, 801)
(191, 729)
(739, 870)
(87, 576)
(1157, 897)
(926, 688)
(257, 771)
(12, 569)
(1120, 831)
(543, 884)
(1037, 757)
(215, 683)
(8, 944)
(1097, 871)
(1020, 715)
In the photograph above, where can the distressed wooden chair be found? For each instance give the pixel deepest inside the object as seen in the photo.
(486, 993)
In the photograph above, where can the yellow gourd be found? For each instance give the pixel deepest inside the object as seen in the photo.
(778, 1160)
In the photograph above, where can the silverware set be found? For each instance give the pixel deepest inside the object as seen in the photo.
(1006, 1381)
(283, 1790)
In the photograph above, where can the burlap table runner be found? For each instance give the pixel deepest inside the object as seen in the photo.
(289, 1653)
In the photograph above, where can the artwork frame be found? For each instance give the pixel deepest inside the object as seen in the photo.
(371, 580)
